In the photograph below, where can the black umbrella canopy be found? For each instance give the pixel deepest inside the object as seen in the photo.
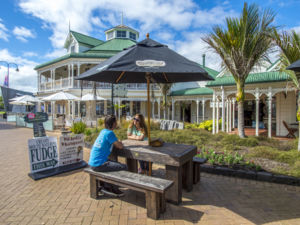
(294, 66)
(147, 56)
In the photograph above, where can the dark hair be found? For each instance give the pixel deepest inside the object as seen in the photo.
(109, 121)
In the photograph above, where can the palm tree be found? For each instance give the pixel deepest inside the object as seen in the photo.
(165, 88)
(289, 44)
(244, 43)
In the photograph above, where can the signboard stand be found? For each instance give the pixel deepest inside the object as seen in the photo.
(45, 159)
(57, 170)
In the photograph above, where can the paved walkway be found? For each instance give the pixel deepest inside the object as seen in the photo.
(64, 199)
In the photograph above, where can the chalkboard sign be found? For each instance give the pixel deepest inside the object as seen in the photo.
(36, 117)
(38, 130)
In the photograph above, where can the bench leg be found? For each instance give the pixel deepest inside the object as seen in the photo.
(188, 176)
(93, 187)
(174, 194)
(196, 172)
(152, 204)
(132, 165)
(162, 203)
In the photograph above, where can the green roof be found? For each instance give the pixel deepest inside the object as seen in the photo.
(75, 55)
(193, 91)
(114, 45)
(211, 72)
(264, 77)
(87, 40)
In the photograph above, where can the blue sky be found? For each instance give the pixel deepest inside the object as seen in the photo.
(33, 31)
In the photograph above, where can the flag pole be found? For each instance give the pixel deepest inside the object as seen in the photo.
(148, 76)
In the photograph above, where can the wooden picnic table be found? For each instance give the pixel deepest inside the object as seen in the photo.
(177, 158)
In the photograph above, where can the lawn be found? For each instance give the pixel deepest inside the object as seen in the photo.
(280, 157)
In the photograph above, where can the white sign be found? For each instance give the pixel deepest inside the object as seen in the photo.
(42, 153)
(150, 63)
(71, 149)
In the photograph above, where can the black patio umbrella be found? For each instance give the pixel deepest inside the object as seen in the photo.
(146, 62)
(294, 66)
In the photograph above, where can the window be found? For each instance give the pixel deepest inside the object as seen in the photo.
(121, 33)
(100, 108)
(136, 107)
(132, 35)
(110, 35)
(72, 49)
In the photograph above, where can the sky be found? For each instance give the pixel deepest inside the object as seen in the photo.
(33, 31)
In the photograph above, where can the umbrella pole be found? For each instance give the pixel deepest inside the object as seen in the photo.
(148, 75)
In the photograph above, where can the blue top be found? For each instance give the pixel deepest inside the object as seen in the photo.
(133, 130)
(102, 147)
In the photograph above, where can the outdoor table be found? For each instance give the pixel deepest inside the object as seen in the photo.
(177, 158)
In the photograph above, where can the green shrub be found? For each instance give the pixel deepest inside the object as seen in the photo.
(87, 132)
(101, 122)
(78, 128)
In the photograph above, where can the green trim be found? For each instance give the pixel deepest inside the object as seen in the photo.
(264, 77)
(193, 91)
(75, 55)
(273, 64)
(85, 39)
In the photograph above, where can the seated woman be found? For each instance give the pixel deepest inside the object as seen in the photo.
(137, 130)
(100, 152)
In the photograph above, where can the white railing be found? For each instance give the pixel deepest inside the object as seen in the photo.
(67, 83)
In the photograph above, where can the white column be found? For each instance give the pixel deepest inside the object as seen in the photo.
(39, 81)
(270, 113)
(230, 116)
(223, 110)
(173, 111)
(78, 69)
(218, 116)
(153, 105)
(52, 83)
(203, 110)
(159, 108)
(105, 107)
(72, 67)
(54, 78)
(131, 108)
(257, 112)
(197, 118)
(73, 109)
(213, 116)
(227, 116)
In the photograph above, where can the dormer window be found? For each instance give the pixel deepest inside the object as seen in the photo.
(132, 36)
(121, 34)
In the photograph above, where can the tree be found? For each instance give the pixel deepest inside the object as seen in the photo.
(289, 45)
(242, 44)
(165, 88)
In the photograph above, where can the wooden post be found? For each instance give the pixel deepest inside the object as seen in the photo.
(148, 76)
(93, 187)
(152, 204)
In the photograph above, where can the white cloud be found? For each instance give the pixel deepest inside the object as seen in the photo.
(149, 15)
(29, 54)
(23, 33)
(97, 22)
(25, 79)
(193, 47)
(3, 31)
(56, 53)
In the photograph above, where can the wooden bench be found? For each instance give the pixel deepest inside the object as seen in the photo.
(196, 168)
(154, 188)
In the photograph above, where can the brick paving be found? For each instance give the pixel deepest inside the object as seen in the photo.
(64, 199)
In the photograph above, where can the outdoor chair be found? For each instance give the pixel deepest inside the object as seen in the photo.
(291, 130)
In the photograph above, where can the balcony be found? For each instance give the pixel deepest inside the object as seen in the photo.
(66, 83)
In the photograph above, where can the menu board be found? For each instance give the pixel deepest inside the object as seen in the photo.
(71, 149)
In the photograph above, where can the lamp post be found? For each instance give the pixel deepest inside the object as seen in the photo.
(9, 64)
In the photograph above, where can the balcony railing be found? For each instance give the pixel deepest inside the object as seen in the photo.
(67, 83)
